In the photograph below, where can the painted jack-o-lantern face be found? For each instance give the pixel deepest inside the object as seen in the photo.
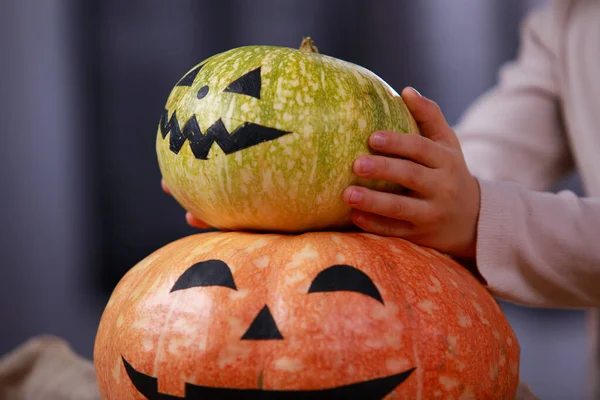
(336, 278)
(319, 315)
(263, 138)
(246, 135)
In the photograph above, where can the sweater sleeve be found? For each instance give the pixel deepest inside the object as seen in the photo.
(540, 249)
(514, 132)
(534, 248)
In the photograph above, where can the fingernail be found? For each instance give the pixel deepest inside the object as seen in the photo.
(416, 91)
(355, 196)
(365, 165)
(378, 140)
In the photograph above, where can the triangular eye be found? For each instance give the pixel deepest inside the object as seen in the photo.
(248, 84)
(189, 78)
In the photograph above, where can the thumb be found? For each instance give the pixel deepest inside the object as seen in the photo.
(429, 117)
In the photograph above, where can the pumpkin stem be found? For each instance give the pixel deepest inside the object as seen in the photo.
(308, 46)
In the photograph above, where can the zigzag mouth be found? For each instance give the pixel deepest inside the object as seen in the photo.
(246, 135)
(374, 389)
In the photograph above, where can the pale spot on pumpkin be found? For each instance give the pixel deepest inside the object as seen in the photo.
(294, 277)
(387, 312)
(182, 325)
(397, 364)
(361, 80)
(422, 251)
(287, 116)
(299, 99)
(294, 82)
(509, 341)
(300, 257)
(394, 339)
(308, 99)
(175, 345)
(336, 239)
(245, 107)
(460, 366)
(427, 306)
(261, 262)
(120, 320)
(238, 294)
(288, 364)
(145, 263)
(436, 285)
(238, 157)
(464, 321)
(447, 382)
(147, 344)
(514, 368)
(259, 243)
(452, 341)
(467, 395)
(278, 106)
(302, 68)
(246, 174)
(236, 325)
(502, 361)
(340, 258)
(308, 130)
(496, 334)
(351, 369)
(477, 307)
(116, 371)
(485, 321)
(142, 323)
(394, 249)
(362, 124)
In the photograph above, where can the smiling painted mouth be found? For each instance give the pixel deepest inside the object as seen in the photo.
(374, 389)
(246, 135)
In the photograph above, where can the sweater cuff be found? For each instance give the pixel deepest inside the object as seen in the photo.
(495, 234)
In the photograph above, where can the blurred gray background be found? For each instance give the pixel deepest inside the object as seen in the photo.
(83, 83)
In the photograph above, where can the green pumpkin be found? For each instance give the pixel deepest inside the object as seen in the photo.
(263, 138)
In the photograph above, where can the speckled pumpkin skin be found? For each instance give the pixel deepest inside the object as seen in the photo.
(293, 183)
(435, 317)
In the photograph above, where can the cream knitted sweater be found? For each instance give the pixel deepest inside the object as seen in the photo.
(540, 122)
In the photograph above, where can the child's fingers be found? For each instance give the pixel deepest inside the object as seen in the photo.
(380, 225)
(429, 117)
(195, 222)
(164, 186)
(414, 147)
(389, 205)
(407, 173)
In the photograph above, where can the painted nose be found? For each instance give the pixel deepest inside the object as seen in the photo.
(263, 327)
(202, 92)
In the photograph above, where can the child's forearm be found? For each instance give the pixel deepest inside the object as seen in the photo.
(539, 249)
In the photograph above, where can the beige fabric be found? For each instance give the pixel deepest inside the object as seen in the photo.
(540, 121)
(46, 368)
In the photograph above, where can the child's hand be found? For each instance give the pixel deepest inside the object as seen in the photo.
(189, 218)
(442, 207)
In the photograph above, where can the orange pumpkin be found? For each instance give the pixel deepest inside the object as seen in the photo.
(321, 315)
